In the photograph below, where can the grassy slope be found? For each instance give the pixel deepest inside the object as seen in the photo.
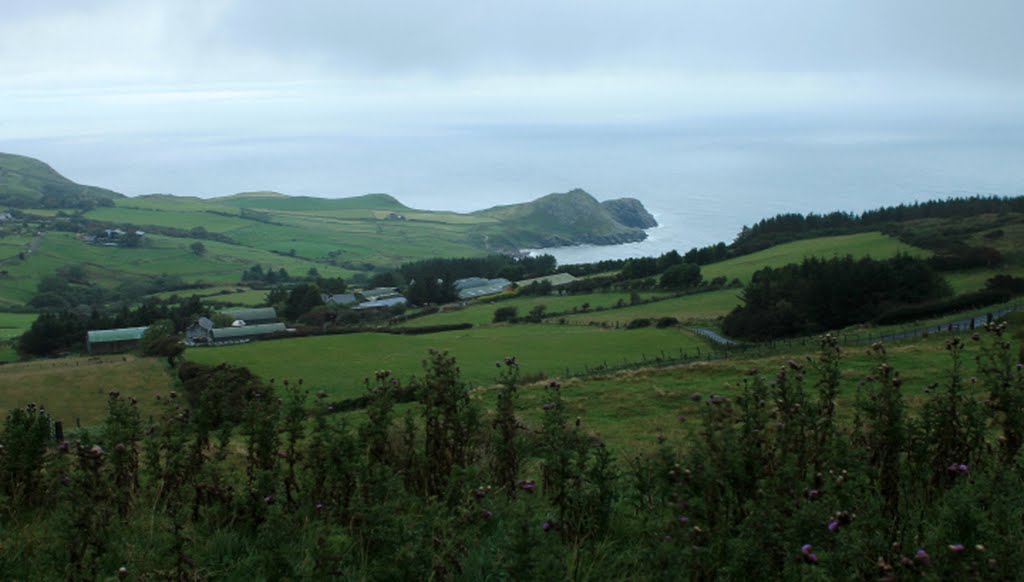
(27, 181)
(868, 244)
(631, 409)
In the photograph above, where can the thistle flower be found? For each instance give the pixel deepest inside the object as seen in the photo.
(806, 549)
(547, 526)
(122, 572)
(956, 548)
(922, 557)
(269, 500)
(683, 520)
(833, 526)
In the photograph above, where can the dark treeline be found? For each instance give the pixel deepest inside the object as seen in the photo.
(489, 267)
(239, 479)
(793, 226)
(825, 294)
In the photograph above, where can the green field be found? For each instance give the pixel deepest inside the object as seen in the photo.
(689, 309)
(483, 313)
(15, 324)
(868, 244)
(222, 263)
(338, 364)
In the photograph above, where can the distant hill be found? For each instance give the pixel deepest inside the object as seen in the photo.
(278, 201)
(568, 218)
(29, 183)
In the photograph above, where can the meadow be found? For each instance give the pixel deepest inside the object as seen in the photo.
(338, 364)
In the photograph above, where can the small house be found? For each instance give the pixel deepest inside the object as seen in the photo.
(379, 293)
(200, 331)
(112, 341)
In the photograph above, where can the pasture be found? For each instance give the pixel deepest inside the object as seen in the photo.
(338, 364)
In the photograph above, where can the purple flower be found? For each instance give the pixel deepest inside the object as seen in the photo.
(962, 468)
(806, 549)
(547, 526)
(833, 526)
(956, 548)
(922, 557)
(269, 500)
(811, 558)
(319, 506)
(487, 514)
(527, 486)
(683, 520)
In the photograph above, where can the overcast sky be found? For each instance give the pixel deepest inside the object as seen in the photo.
(160, 95)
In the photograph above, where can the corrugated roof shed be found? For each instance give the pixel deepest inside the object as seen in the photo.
(379, 292)
(489, 287)
(222, 333)
(252, 314)
(123, 334)
(389, 302)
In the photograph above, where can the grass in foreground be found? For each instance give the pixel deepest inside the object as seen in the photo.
(78, 388)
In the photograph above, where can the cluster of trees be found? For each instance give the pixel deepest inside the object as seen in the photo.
(669, 271)
(57, 331)
(823, 294)
(72, 288)
(255, 480)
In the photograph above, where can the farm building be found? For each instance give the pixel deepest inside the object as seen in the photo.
(382, 303)
(112, 341)
(255, 315)
(473, 287)
(379, 293)
(339, 298)
(556, 280)
(200, 331)
(220, 334)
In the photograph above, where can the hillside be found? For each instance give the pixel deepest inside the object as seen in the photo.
(278, 201)
(573, 217)
(29, 183)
